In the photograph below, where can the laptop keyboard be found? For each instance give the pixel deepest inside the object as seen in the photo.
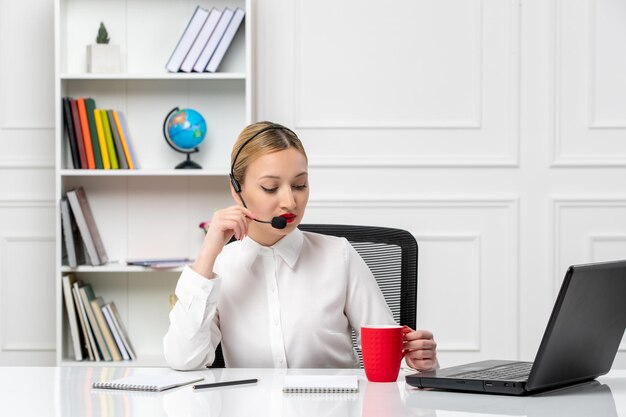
(513, 371)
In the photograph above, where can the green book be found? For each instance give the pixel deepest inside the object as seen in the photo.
(107, 134)
(87, 294)
(90, 106)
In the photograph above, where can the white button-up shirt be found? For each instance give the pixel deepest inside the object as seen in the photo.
(289, 305)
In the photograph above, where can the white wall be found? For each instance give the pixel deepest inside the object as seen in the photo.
(491, 129)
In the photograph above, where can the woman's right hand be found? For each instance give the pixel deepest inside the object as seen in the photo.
(226, 223)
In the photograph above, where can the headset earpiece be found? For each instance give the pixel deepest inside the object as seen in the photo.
(235, 183)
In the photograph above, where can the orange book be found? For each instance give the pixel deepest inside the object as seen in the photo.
(123, 140)
(84, 124)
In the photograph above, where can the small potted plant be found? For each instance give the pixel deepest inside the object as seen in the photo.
(103, 57)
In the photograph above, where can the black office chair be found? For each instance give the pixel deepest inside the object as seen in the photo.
(391, 255)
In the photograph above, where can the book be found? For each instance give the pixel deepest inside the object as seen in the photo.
(90, 343)
(69, 129)
(108, 316)
(129, 143)
(201, 40)
(86, 295)
(213, 41)
(160, 263)
(109, 139)
(320, 384)
(72, 316)
(186, 40)
(107, 334)
(90, 106)
(71, 236)
(106, 164)
(226, 40)
(84, 125)
(122, 330)
(80, 143)
(119, 149)
(87, 226)
(120, 132)
(150, 382)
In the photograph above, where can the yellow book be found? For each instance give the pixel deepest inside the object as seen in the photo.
(102, 140)
(109, 139)
(123, 140)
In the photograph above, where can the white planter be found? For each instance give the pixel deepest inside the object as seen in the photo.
(103, 58)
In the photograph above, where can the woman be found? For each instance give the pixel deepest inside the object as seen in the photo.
(277, 297)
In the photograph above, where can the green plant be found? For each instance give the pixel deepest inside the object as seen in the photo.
(103, 35)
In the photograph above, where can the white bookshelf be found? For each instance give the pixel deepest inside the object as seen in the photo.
(153, 211)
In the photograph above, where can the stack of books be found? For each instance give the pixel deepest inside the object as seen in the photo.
(96, 328)
(98, 139)
(205, 40)
(81, 238)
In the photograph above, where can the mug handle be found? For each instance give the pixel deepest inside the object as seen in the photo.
(405, 329)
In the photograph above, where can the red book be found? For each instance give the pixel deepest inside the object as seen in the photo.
(80, 143)
(84, 124)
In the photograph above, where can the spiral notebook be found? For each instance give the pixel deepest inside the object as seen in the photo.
(328, 384)
(149, 382)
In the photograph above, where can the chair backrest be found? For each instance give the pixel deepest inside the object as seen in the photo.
(391, 255)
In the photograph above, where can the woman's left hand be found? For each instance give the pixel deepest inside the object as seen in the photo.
(421, 349)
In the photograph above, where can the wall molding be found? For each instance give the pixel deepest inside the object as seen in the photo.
(16, 346)
(557, 158)
(471, 123)
(475, 238)
(509, 158)
(593, 121)
(26, 203)
(449, 200)
(507, 202)
(557, 205)
(27, 163)
(600, 238)
(411, 161)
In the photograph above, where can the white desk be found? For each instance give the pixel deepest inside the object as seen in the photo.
(67, 392)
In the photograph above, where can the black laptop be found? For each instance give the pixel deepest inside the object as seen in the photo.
(579, 344)
(587, 399)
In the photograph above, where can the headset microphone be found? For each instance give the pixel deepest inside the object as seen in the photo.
(277, 222)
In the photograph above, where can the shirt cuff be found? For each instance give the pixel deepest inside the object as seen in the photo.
(192, 285)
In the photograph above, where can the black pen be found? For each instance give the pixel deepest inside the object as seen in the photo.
(225, 383)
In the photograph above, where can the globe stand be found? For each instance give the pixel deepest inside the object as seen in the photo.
(187, 163)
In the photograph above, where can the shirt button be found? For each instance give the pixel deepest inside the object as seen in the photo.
(280, 361)
(275, 322)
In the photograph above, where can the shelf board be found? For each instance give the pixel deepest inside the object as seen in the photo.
(143, 173)
(145, 361)
(156, 76)
(116, 267)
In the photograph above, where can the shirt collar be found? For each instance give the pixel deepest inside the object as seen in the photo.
(288, 248)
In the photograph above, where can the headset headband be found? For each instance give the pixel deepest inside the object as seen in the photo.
(271, 126)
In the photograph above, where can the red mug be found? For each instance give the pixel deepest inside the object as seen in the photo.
(381, 346)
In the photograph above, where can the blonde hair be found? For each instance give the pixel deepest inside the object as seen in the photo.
(260, 139)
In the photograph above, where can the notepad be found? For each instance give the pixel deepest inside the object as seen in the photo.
(149, 382)
(320, 384)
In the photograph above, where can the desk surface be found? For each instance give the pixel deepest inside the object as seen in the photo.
(67, 391)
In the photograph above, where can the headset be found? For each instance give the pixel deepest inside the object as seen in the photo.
(276, 222)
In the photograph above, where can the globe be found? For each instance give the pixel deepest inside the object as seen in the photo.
(184, 130)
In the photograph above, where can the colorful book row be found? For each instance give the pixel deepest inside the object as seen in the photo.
(98, 139)
(206, 39)
(96, 327)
